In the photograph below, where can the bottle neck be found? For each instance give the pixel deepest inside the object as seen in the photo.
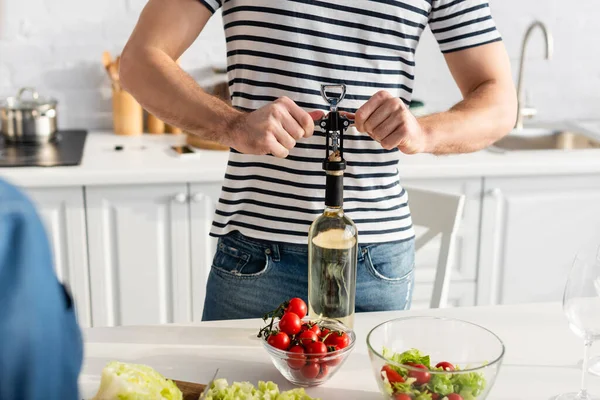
(334, 191)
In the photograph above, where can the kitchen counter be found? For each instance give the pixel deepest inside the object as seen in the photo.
(541, 359)
(149, 159)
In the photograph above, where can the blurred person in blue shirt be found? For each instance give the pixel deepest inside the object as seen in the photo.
(40, 341)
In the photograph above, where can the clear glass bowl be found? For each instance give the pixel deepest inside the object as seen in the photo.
(475, 351)
(328, 365)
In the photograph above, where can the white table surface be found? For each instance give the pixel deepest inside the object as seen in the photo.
(541, 359)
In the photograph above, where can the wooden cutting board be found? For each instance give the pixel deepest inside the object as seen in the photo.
(191, 391)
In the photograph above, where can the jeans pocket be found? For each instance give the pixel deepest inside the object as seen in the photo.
(237, 259)
(391, 262)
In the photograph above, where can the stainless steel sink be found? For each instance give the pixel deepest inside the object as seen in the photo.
(528, 139)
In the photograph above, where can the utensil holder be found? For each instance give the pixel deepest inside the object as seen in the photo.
(128, 115)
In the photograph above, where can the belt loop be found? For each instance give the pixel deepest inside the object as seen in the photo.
(275, 255)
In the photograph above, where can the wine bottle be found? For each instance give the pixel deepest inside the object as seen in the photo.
(333, 237)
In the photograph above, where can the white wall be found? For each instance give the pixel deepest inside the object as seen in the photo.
(56, 46)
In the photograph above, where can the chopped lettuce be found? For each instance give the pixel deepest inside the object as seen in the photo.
(468, 385)
(441, 384)
(423, 396)
(221, 390)
(135, 382)
(412, 356)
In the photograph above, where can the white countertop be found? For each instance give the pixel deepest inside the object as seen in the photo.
(541, 360)
(149, 159)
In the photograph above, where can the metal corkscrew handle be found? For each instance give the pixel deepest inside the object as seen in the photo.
(333, 101)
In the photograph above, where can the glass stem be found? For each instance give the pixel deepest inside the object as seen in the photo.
(584, 374)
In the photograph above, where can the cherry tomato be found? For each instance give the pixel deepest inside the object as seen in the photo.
(316, 329)
(402, 396)
(323, 372)
(454, 396)
(446, 366)
(324, 333)
(296, 361)
(309, 326)
(392, 375)
(434, 396)
(307, 337)
(290, 323)
(422, 377)
(339, 339)
(297, 306)
(317, 349)
(279, 340)
(311, 370)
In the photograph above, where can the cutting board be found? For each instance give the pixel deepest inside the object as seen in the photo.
(191, 391)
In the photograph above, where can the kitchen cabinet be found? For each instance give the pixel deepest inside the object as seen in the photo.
(62, 211)
(139, 254)
(531, 229)
(203, 200)
(464, 265)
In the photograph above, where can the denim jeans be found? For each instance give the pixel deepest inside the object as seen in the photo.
(250, 277)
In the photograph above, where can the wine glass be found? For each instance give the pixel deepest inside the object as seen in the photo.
(581, 303)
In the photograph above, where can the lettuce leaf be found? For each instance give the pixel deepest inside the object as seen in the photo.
(221, 390)
(468, 385)
(441, 384)
(412, 356)
(135, 382)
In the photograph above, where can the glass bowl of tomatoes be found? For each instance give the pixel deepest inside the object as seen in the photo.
(434, 358)
(306, 351)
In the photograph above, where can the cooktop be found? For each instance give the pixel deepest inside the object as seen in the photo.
(66, 149)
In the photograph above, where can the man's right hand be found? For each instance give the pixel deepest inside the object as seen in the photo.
(272, 129)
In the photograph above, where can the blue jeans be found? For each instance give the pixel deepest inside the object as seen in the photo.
(250, 277)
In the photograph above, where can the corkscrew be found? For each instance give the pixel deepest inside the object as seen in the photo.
(334, 125)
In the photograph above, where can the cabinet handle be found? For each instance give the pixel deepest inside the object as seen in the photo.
(197, 197)
(495, 192)
(180, 198)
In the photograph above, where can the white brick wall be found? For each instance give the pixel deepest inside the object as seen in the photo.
(56, 46)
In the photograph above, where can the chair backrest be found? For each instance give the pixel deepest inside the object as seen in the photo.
(441, 214)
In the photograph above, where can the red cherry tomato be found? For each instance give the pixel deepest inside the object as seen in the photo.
(323, 372)
(290, 323)
(316, 329)
(402, 396)
(307, 337)
(339, 339)
(324, 333)
(446, 366)
(422, 377)
(311, 370)
(392, 375)
(297, 306)
(316, 349)
(279, 340)
(454, 396)
(297, 360)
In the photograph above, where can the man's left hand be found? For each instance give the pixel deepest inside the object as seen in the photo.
(388, 121)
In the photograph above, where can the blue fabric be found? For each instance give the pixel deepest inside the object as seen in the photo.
(250, 277)
(40, 341)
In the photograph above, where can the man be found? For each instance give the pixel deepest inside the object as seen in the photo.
(40, 342)
(279, 53)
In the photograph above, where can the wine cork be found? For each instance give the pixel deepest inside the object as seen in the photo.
(155, 125)
(128, 115)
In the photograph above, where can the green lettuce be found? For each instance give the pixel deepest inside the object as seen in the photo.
(412, 356)
(441, 384)
(221, 390)
(135, 382)
(469, 385)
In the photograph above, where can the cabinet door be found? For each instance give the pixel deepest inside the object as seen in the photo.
(532, 228)
(467, 243)
(63, 213)
(204, 198)
(139, 254)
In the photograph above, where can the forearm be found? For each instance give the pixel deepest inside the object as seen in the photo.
(485, 115)
(168, 92)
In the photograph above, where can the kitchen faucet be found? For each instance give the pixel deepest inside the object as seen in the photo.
(524, 111)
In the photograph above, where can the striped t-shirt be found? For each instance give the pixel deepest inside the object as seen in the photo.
(289, 48)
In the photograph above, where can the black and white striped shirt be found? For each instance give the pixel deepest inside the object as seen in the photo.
(289, 48)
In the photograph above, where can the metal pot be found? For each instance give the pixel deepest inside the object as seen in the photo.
(28, 120)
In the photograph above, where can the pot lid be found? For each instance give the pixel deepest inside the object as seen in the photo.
(28, 102)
